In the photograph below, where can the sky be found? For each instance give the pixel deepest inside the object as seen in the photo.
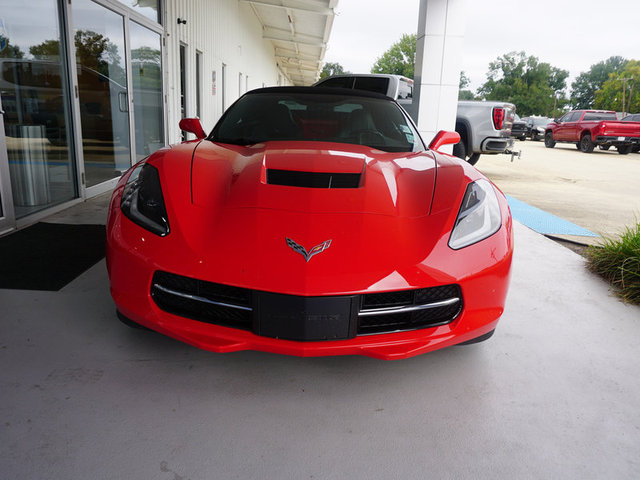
(568, 34)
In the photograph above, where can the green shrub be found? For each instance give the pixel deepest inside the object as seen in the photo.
(618, 261)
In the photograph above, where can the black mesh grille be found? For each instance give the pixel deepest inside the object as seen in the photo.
(199, 309)
(387, 299)
(391, 322)
(291, 178)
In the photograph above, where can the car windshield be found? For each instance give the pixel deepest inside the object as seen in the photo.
(295, 116)
(540, 122)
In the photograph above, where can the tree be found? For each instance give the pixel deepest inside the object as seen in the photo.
(47, 50)
(145, 64)
(621, 92)
(536, 88)
(583, 89)
(463, 92)
(399, 59)
(9, 51)
(331, 68)
(98, 53)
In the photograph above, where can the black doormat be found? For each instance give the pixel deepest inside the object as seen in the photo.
(47, 256)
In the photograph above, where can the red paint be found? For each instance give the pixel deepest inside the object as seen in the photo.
(192, 125)
(444, 138)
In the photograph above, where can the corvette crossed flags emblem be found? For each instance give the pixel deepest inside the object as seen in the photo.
(301, 250)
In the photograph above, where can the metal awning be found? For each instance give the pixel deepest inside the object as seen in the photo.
(299, 31)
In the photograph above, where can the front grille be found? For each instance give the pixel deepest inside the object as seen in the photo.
(291, 178)
(204, 301)
(409, 309)
(305, 318)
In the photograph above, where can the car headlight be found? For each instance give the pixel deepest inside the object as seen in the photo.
(142, 200)
(479, 215)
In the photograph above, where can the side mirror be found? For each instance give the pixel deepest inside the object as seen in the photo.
(444, 138)
(192, 125)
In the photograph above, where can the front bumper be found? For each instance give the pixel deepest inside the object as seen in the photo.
(483, 295)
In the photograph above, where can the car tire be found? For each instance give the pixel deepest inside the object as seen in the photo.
(473, 159)
(130, 323)
(624, 149)
(479, 339)
(534, 137)
(548, 140)
(586, 145)
(604, 147)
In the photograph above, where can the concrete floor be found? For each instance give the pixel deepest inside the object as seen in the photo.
(598, 191)
(554, 394)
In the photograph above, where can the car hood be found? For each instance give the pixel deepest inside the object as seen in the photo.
(230, 225)
(311, 177)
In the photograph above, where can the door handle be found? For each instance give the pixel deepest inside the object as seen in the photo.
(122, 102)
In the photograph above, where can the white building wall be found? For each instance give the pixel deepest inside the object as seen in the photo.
(439, 49)
(225, 32)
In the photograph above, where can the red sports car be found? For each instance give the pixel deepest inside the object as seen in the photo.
(310, 221)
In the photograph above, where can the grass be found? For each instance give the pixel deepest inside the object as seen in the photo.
(618, 261)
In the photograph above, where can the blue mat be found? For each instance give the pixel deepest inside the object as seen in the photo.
(543, 222)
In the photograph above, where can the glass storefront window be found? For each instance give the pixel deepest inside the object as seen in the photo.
(103, 95)
(146, 79)
(148, 8)
(36, 102)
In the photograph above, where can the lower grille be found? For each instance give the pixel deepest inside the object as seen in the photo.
(305, 318)
(204, 301)
(409, 309)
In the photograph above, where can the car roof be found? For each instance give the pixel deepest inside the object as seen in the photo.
(347, 92)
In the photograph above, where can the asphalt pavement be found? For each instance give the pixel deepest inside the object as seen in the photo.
(598, 191)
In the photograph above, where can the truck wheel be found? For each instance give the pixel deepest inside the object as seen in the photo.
(473, 159)
(534, 136)
(459, 150)
(548, 140)
(624, 149)
(604, 147)
(586, 145)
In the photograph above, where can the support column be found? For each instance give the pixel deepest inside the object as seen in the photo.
(441, 26)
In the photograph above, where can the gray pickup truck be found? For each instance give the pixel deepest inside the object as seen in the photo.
(484, 127)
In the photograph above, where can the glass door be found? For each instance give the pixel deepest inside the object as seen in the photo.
(101, 67)
(7, 219)
(146, 85)
(37, 166)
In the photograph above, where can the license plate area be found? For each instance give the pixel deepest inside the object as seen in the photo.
(292, 317)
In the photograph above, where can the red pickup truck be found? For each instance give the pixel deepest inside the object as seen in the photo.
(588, 128)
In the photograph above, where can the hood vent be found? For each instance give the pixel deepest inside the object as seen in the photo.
(292, 178)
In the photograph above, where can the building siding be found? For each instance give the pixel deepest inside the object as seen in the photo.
(224, 32)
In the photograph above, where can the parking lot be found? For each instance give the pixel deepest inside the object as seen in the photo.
(598, 191)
